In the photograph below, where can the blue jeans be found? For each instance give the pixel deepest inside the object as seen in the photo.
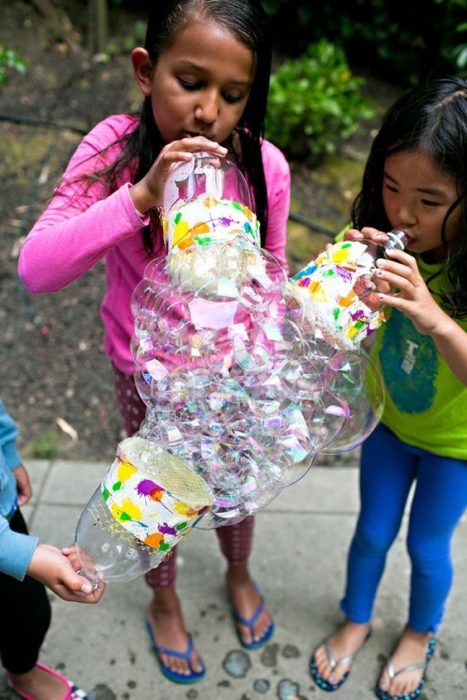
(387, 471)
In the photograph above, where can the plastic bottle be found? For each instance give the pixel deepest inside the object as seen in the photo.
(211, 232)
(365, 286)
(147, 502)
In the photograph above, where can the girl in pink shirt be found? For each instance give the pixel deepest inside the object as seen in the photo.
(204, 74)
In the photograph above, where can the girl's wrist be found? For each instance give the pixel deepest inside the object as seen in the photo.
(444, 328)
(142, 198)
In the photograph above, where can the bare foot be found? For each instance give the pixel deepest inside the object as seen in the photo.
(345, 642)
(39, 684)
(245, 601)
(164, 615)
(411, 649)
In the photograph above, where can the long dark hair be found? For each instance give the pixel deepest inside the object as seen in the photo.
(247, 21)
(431, 118)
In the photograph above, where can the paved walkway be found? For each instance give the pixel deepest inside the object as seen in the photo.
(300, 546)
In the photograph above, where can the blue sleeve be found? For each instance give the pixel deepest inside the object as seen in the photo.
(16, 551)
(8, 435)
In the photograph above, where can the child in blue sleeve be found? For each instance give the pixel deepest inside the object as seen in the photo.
(26, 567)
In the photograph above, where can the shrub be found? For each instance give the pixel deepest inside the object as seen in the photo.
(314, 101)
(9, 60)
(399, 41)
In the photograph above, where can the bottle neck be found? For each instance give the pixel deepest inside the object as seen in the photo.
(397, 240)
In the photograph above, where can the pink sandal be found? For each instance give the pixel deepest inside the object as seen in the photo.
(72, 692)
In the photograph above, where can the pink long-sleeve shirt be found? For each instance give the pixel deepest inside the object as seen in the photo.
(82, 225)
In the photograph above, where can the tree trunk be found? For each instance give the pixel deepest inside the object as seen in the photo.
(98, 25)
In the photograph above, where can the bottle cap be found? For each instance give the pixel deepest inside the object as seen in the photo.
(397, 240)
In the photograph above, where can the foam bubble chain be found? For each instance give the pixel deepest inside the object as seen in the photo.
(326, 287)
(222, 363)
(215, 356)
(228, 363)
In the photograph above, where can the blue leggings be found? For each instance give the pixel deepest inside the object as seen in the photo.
(388, 469)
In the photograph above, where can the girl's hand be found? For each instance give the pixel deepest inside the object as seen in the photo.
(413, 297)
(368, 233)
(57, 570)
(148, 192)
(23, 485)
(371, 234)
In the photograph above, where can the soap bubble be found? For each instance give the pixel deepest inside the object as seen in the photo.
(234, 373)
(355, 379)
(242, 386)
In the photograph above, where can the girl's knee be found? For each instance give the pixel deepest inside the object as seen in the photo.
(373, 541)
(428, 556)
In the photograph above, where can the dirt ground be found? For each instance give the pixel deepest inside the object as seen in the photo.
(54, 376)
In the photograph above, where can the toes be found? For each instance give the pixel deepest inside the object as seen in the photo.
(322, 664)
(399, 686)
(196, 664)
(384, 682)
(246, 635)
(262, 626)
(181, 666)
(256, 633)
(324, 669)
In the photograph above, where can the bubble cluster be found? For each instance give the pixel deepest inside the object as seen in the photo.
(236, 380)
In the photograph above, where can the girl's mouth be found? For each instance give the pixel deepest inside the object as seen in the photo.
(194, 134)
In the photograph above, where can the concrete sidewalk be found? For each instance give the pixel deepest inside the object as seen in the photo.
(299, 555)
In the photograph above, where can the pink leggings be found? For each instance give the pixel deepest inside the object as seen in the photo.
(235, 540)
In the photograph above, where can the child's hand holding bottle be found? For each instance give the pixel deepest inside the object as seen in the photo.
(370, 283)
(149, 191)
(57, 570)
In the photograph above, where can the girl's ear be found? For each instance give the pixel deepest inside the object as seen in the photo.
(142, 65)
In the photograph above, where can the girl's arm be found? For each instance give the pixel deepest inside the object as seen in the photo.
(66, 242)
(277, 175)
(416, 302)
(8, 435)
(22, 554)
(81, 224)
(16, 551)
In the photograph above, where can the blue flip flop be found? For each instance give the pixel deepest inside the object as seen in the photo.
(250, 623)
(392, 673)
(173, 676)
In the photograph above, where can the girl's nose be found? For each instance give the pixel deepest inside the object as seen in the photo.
(406, 217)
(207, 110)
